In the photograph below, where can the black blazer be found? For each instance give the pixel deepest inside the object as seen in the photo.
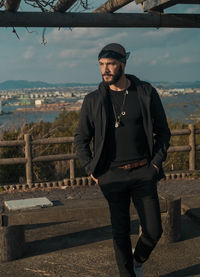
(94, 121)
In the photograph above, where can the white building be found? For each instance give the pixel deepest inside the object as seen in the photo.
(38, 102)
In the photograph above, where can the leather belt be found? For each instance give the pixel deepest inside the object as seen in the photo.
(134, 165)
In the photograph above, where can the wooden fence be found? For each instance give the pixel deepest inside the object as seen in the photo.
(29, 159)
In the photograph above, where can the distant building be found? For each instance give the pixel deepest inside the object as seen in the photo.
(38, 102)
(0, 107)
(68, 94)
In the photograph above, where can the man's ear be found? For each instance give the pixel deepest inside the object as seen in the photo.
(123, 65)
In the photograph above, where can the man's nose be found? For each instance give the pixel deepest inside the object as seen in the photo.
(106, 69)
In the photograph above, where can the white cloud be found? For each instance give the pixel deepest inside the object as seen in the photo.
(187, 60)
(166, 55)
(67, 35)
(115, 37)
(161, 32)
(83, 43)
(77, 54)
(154, 62)
(49, 56)
(72, 55)
(66, 64)
(29, 53)
(68, 53)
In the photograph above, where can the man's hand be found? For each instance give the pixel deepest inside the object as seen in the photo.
(157, 168)
(94, 179)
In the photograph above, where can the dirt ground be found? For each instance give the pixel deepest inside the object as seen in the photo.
(83, 248)
(172, 187)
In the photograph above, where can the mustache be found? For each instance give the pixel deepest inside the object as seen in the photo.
(107, 74)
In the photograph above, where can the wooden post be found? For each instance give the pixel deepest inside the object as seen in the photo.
(192, 144)
(172, 222)
(72, 169)
(28, 156)
(12, 242)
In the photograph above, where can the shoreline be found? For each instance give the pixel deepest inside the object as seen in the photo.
(52, 107)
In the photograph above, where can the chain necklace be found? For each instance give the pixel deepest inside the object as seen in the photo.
(122, 111)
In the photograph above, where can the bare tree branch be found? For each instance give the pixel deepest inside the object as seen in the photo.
(63, 5)
(55, 5)
(112, 5)
(14, 31)
(44, 41)
(10, 5)
(1, 4)
(43, 5)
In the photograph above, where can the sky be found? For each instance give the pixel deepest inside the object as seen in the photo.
(70, 55)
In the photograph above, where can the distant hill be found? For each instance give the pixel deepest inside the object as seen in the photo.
(23, 84)
(166, 85)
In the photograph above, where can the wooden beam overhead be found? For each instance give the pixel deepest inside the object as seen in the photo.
(112, 5)
(189, 2)
(160, 5)
(63, 5)
(116, 20)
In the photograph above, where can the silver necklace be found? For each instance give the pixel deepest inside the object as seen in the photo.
(122, 111)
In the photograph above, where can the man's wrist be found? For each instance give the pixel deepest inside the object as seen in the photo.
(94, 179)
(156, 167)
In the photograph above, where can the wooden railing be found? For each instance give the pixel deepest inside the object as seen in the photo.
(192, 147)
(29, 159)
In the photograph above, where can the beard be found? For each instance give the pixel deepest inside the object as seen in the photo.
(115, 77)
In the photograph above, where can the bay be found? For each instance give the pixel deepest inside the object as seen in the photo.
(178, 108)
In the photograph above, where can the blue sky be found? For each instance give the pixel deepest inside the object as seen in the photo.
(163, 54)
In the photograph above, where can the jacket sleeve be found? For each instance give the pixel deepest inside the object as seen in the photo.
(161, 130)
(84, 135)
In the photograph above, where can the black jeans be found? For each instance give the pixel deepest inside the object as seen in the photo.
(119, 186)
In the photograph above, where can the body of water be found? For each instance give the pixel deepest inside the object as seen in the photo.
(178, 107)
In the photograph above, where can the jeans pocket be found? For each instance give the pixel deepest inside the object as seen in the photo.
(99, 180)
(153, 169)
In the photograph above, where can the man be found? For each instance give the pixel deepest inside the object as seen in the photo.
(126, 121)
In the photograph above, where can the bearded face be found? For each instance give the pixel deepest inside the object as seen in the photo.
(111, 70)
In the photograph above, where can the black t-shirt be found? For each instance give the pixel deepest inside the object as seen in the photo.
(128, 142)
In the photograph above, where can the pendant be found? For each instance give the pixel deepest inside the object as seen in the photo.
(117, 124)
(123, 113)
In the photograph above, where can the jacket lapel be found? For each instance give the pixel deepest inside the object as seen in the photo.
(103, 90)
(145, 104)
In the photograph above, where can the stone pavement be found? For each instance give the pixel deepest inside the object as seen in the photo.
(83, 247)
